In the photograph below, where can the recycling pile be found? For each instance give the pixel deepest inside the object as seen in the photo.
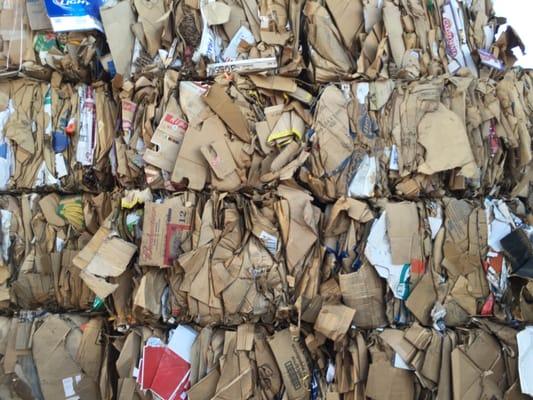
(264, 199)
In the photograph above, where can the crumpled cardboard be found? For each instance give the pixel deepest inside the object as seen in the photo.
(333, 321)
(329, 56)
(292, 363)
(117, 23)
(373, 152)
(363, 291)
(104, 256)
(67, 359)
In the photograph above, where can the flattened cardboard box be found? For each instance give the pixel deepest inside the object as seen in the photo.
(165, 227)
(291, 361)
(168, 137)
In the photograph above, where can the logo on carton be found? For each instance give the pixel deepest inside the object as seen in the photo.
(71, 3)
(450, 37)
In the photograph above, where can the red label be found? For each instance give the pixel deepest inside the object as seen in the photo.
(173, 241)
(418, 267)
(175, 121)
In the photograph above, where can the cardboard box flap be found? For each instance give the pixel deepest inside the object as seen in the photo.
(454, 152)
(386, 382)
(206, 387)
(395, 339)
(333, 321)
(466, 377)
(105, 255)
(292, 364)
(58, 371)
(168, 138)
(117, 21)
(402, 230)
(190, 163)
(228, 111)
(166, 227)
(98, 285)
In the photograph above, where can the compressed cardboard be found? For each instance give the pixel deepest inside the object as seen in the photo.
(422, 299)
(236, 377)
(60, 375)
(105, 255)
(402, 231)
(229, 112)
(454, 153)
(399, 385)
(168, 138)
(151, 18)
(292, 364)
(37, 15)
(363, 291)
(190, 163)
(333, 321)
(117, 21)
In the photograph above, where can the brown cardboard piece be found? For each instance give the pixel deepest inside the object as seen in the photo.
(454, 152)
(235, 380)
(190, 163)
(271, 381)
(386, 382)
(55, 344)
(206, 387)
(37, 15)
(148, 294)
(334, 320)
(117, 21)
(105, 255)
(329, 57)
(280, 83)
(393, 22)
(292, 364)
(98, 285)
(228, 111)
(332, 128)
(217, 13)
(363, 291)
(403, 232)
(298, 224)
(151, 15)
(395, 339)
(166, 226)
(348, 16)
(478, 368)
(219, 158)
(168, 137)
(422, 299)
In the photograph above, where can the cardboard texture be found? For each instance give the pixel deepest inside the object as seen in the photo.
(166, 226)
(292, 363)
(117, 22)
(392, 153)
